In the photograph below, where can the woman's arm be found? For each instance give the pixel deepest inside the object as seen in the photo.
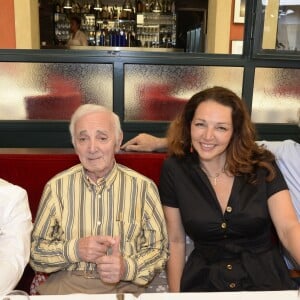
(176, 260)
(285, 221)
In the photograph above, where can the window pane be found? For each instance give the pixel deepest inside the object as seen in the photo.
(276, 97)
(51, 91)
(281, 29)
(159, 92)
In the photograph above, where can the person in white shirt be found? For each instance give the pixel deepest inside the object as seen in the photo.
(287, 155)
(15, 231)
(77, 37)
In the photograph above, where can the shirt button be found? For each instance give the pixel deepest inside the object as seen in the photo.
(224, 225)
(229, 267)
(232, 285)
(229, 209)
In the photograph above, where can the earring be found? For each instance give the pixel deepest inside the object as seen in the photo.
(191, 149)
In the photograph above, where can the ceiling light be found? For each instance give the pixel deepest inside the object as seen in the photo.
(67, 4)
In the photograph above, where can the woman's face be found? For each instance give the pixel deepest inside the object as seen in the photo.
(211, 130)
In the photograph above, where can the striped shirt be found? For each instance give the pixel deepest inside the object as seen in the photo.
(124, 204)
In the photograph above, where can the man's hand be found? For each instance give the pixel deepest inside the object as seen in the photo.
(111, 268)
(145, 142)
(92, 247)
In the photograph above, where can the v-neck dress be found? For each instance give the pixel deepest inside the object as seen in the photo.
(235, 250)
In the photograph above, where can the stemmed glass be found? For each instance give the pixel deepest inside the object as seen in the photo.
(17, 293)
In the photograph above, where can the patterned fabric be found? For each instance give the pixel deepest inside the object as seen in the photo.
(158, 284)
(38, 279)
(126, 204)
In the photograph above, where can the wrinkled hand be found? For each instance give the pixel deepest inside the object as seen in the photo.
(145, 142)
(111, 268)
(92, 247)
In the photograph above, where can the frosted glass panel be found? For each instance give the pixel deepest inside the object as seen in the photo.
(276, 96)
(52, 91)
(157, 93)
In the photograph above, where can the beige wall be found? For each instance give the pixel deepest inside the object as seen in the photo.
(27, 24)
(218, 26)
(270, 25)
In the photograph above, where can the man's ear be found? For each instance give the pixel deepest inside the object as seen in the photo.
(119, 142)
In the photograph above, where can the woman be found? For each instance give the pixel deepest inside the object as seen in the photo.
(225, 193)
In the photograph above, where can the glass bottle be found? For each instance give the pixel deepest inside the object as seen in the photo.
(147, 6)
(139, 6)
(169, 6)
(105, 12)
(57, 7)
(115, 12)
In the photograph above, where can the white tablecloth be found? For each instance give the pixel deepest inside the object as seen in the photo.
(273, 295)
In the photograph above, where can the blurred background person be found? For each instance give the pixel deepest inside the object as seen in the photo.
(77, 37)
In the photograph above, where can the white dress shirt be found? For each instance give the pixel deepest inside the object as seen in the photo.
(15, 230)
(80, 39)
(287, 155)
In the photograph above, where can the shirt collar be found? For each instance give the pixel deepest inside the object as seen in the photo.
(106, 180)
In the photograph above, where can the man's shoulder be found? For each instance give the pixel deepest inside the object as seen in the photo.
(11, 192)
(67, 172)
(133, 173)
(285, 148)
(7, 187)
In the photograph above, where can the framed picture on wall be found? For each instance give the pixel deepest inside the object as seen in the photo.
(239, 11)
(237, 47)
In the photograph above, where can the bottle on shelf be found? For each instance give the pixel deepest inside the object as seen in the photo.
(115, 12)
(169, 6)
(139, 6)
(57, 7)
(104, 14)
(164, 6)
(173, 7)
(147, 6)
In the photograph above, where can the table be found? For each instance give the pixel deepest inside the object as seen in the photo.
(274, 295)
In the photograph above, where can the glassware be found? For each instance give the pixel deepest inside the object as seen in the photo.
(16, 293)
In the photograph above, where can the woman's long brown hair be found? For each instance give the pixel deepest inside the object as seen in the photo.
(243, 154)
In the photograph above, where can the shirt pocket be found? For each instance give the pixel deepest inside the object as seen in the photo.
(131, 234)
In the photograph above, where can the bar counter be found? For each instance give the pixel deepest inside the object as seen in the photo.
(117, 49)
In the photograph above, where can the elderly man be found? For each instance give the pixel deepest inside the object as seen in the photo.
(15, 229)
(100, 226)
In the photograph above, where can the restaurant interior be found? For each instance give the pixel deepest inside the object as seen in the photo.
(143, 60)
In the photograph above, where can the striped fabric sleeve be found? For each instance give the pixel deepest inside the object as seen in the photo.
(142, 266)
(49, 253)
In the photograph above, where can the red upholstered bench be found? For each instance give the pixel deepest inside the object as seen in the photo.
(32, 168)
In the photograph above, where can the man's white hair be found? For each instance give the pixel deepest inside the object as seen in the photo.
(86, 109)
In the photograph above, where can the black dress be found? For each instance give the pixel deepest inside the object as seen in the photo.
(236, 250)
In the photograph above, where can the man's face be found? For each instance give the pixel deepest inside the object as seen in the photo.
(95, 143)
(73, 26)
